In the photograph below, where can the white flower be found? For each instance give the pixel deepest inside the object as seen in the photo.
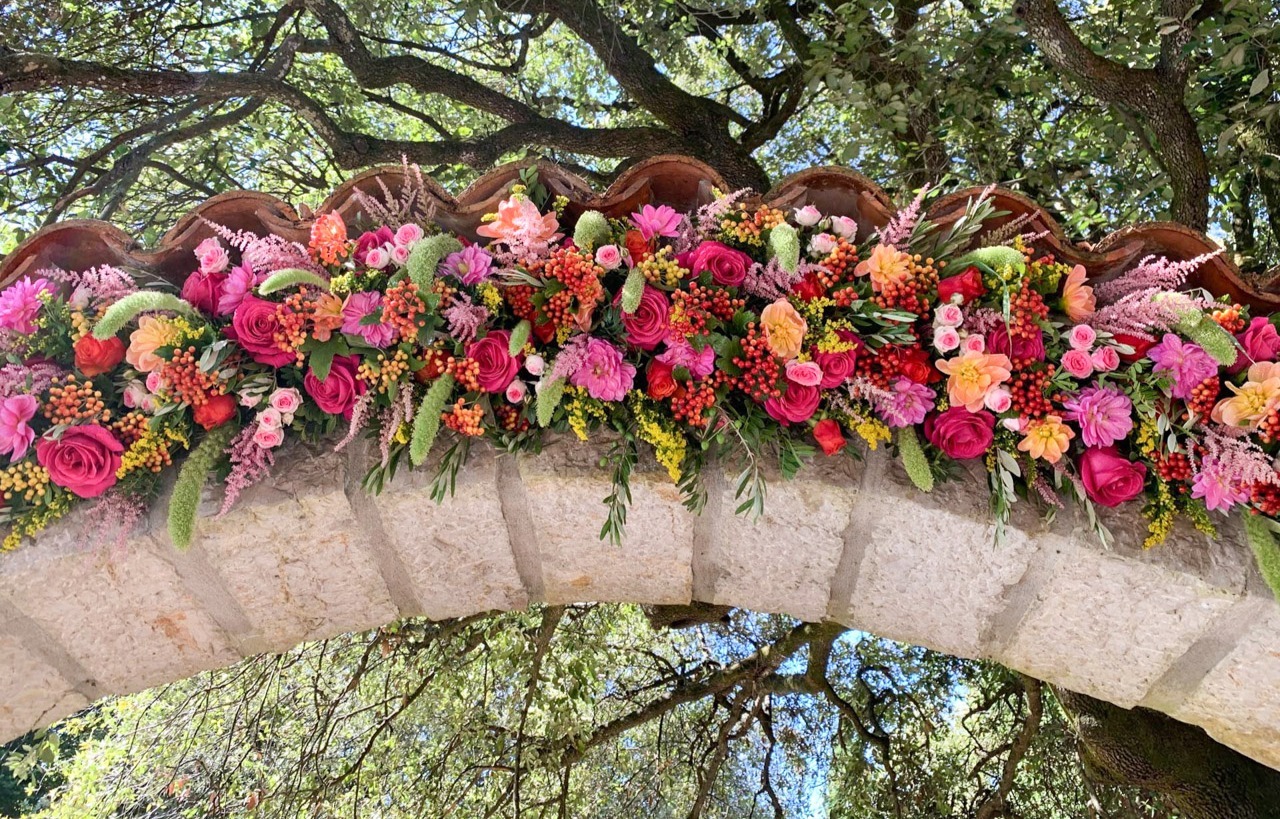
(808, 216)
(535, 364)
(844, 227)
(822, 244)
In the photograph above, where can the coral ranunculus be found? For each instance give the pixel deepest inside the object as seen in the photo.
(972, 375)
(784, 329)
(152, 334)
(1078, 301)
(828, 435)
(1047, 439)
(967, 284)
(94, 357)
(1109, 478)
(338, 392)
(83, 460)
(497, 365)
(214, 412)
(959, 433)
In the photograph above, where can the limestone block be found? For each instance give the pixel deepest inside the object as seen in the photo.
(32, 693)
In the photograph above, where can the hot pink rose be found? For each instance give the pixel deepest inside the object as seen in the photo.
(1105, 359)
(497, 365)
(203, 289)
(1078, 363)
(797, 403)
(83, 461)
(338, 392)
(371, 239)
(728, 266)
(1109, 478)
(647, 326)
(1260, 341)
(837, 367)
(959, 433)
(1024, 349)
(254, 326)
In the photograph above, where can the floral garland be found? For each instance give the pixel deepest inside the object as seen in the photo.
(762, 334)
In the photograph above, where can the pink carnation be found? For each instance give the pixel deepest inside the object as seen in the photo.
(603, 373)
(680, 353)
(906, 404)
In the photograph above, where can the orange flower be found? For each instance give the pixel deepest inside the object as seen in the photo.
(972, 375)
(329, 238)
(784, 329)
(1078, 301)
(327, 316)
(1047, 439)
(518, 219)
(887, 265)
(1252, 402)
(152, 334)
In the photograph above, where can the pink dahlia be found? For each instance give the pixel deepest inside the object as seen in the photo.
(660, 221)
(239, 283)
(680, 353)
(1217, 488)
(358, 307)
(1104, 415)
(906, 404)
(1186, 363)
(16, 434)
(20, 303)
(604, 374)
(471, 265)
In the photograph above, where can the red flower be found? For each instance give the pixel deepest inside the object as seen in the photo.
(1140, 347)
(94, 357)
(637, 246)
(959, 433)
(916, 363)
(83, 460)
(728, 266)
(647, 326)
(809, 288)
(371, 239)
(338, 392)
(968, 283)
(661, 384)
(828, 435)
(1021, 348)
(1109, 478)
(203, 290)
(544, 330)
(497, 365)
(215, 412)
(255, 327)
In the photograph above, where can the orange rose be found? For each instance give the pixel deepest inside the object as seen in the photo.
(94, 357)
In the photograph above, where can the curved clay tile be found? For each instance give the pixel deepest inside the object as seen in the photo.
(682, 182)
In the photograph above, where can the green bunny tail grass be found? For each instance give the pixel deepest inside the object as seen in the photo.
(592, 231)
(292, 277)
(914, 460)
(1206, 332)
(426, 423)
(1263, 542)
(129, 307)
(992, 258)
(426, 257)
(519, 337)
(633, 290)
(185, 501)
(548, 399)
(784, 245)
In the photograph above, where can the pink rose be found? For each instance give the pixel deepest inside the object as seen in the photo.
(945, 339)
(797, 404)
(270, 419)
(806, 373)
(255, 326)
(609, 257)
(837, 367)
(213, 258)
(648, 325)
(959, 433)
(83, 461)
(535, 364)
(975, 343)
(338, 392)
(202, 290)
(808, 216)
(998, 400)
(268, 438)
(516, 391)
(1078, 363)
(400, 255)
(1109, 478)
(408, 235)
(285, 401)
(844, 227)
(1081, 337)
(1019, 349)
(822, 244)
(728, 266)
(371, 239)
(1105, 359)
(377, 258)
(1260, 341)
(949, 315)
(497, 365)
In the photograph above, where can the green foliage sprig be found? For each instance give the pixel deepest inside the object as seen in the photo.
(292, 277)
(185, 501)
(135, 304)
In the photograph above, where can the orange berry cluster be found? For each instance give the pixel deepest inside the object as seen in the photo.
(466, 372)
(382, 372)
(1026, 308)
(1203, 398)
(445, 291)
(578, 272)
(291, 323)
(130, 427)
(1229, 318)
(464, 420)
(510, 419)
(1269, 429)
(404, 309)
(747, 226)
(691, 308)
(1027, 390)
(435, 362)
(760, 370)
(844, 297)
(1174, 467)
(559, 308)
(187, 382)
(691, 404)
(71, 401)
(839, 264)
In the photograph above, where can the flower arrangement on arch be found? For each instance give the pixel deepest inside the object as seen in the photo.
(765, 335)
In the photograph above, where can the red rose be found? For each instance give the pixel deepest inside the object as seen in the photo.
(544, 330)
(968, 283)
(203, 290)
(797, 403)
(661, 383)
(255, 326)
(837, 367)
(916, 363)
(959, 433)
(83, 461)
(647, 326)
(497, 365)
(809, 288)
(371, 239)
(1018, 349)
(1109, 478)
(728, 266)
(1260, 341)
(828, 435)
(338, 392)
(1140, 347)
(94, 357)
(215, 412)
(637, 246)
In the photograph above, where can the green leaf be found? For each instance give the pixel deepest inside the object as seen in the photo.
(519, 337)
(1260, 82)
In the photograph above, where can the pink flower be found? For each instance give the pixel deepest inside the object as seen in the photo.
(136, 396)
(20, 304)
(945, 339)
(796, 405)
(609, 257)
(83, 461)
(1078, 363)
(822, 244)
(1022, 348)
(837, 367)
(1081, 337)
(1105, 359)
(471, 265)
(1104, 415)
(338, 392)
(949, 315)
(203, 290)
(400, 255)
(649, 324)
(998, 400)
(1260, 341)
(728, 266)
(808, 216)
(369, 240)
(408, 235)
(256, 327)
(974, 343)
(268, 438)
(354, 312)
(286, 400)
(1187, 365)
(15, 434)
(660, 221)
(844, 227)
(604, 374)
(907, 403)
(237, 284)
(270, 419)
(518, 222)
(377, 258)
(497, 366)
(1215, 486)
(805, 373)
(535, 364)
(680, 353)
(212, 256)
(516, 391)
(1109, 478)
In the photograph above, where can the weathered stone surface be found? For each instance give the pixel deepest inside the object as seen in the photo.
(32, 692)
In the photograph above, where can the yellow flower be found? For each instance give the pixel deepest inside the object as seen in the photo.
(152, 334)
(1078, 301)
(1252, 402)
(887, 265)
(784, 329)
(1047, 439)
(972, 376)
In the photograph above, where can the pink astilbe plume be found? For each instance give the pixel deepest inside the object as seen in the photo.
(572, 356)
(28, 379)
(1154, 273)
(465, 318)
(771, 281)
(412, 207)
(359, 418)
(390, 420)
(1237, 457)
(707, 219)
(903, 223)
(266, 254)
(1146, 312)
(97, 285)
(114, 518)
(861, 388)
(250, 463)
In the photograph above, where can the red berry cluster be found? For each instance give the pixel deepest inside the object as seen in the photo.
(578, 272)
(1027, 309)
(1266, 496)
(691, 308)
(1175, 467)
(760, 370)
(1027, 390)
(691, 403)
(466, 372)
(183, 378)
(403, 309)
(71, 401)
(839, 264)
(520, 298)
(510, 419)
(434, 363)
(912, 293)
(1203, 398)
(1269, 429)
(559, 309)
(130, 427)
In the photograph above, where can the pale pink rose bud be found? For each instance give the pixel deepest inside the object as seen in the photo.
(1081, 337)
(154, 381)
(135, 394)
(286, 401)
(400, 255)
(268, 438)
(608, 257)
(949, 315)
(808, 216)
(1013, 424)
(844, 227)
(535, 364)
(1105, 359)
(1078, 363)
(213, 258)
(998, 400)
(822, 244)
(377, 258)
(269, 419)
(804, 373)
(946, 339)
(408, 235)
(516, 391)
(80, 297)
(975, 343)
(250, 399)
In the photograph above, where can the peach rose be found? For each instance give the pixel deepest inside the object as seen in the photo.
(887, 265)
(971, 375)
(784, 329)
